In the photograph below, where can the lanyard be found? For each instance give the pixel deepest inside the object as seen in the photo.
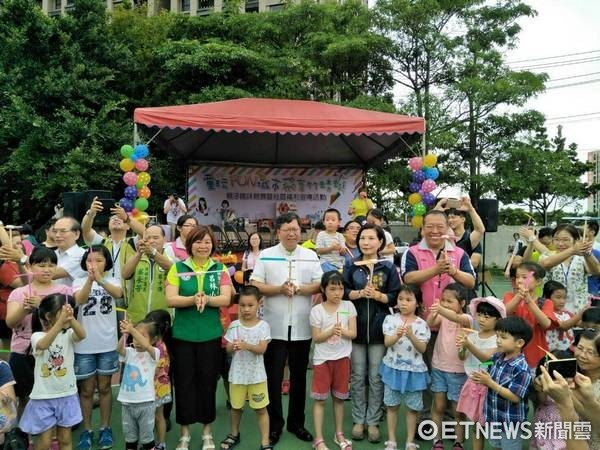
(115, 257)
(566, 272)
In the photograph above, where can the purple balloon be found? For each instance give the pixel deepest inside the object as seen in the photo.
(428, 199)
(414, 186)
(418, 176)
(131, 192)
(126, 204)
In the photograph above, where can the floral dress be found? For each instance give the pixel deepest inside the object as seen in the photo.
(574, 277)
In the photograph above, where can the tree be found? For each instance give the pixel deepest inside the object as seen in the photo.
(542, 174)
(449, 54)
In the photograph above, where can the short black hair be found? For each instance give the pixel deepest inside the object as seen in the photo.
(332, 210)
(516, 326)
(250, 290)
(41, 255)
(456, 212)
(435, 212)
(551, 286)
(331, 277)
(545, 232)
(538, 271)
(377, 213)
(286, 218)
(319, 225)
(378, 231)
(459, 289)
(591, 315)
(97, 249)
(486, 308)
(593, 226)
(414, 290)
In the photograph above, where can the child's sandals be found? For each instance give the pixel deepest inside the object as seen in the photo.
(319, 444)
(184, 443)
(207, 442)
(342, 442)
(230, 441)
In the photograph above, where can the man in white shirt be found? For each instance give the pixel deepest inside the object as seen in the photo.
(69, 254)
(174, 208)
(287, 275)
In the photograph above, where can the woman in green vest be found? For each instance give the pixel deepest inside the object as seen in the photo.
(197, 288)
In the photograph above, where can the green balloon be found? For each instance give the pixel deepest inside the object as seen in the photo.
(141, 204)
(126, 151)
(139, 185)
(419, 209)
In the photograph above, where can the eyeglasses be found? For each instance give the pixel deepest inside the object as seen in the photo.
(587, 351)
(563, 240)
(62, 231)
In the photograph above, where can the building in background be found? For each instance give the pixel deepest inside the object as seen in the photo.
(189, 7)
(594, 177)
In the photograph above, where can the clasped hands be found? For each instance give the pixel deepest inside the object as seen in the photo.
(201, 300)
(444, 265)
(289, 289)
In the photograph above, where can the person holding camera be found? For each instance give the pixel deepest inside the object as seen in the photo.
(174, 208)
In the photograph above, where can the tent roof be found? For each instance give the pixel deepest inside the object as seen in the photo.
(280, 132)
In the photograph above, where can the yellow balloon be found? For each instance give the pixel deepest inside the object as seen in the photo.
(429, 160)
(142, 218)
(417, 221)
(126, 165)
(414, 198)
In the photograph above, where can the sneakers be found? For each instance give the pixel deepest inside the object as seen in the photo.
(105, 441)
(85, 440)
(438, 445)
(457, 446)
(161, 446)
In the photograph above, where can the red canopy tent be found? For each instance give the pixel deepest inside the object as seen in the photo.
(272, 132)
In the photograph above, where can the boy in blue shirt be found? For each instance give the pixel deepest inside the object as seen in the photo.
(508, 382)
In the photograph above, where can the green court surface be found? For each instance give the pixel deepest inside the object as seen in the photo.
(249, 428)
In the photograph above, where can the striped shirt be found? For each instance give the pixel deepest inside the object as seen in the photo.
(514, 375)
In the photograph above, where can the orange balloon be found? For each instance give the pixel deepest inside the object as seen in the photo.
(144, 192)
(238, 276)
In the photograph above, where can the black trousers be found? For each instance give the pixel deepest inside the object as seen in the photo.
(196, 369)
(296, 353)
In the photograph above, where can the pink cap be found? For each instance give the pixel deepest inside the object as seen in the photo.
(495, 302)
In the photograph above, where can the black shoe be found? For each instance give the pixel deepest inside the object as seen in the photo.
(301, 433)
(274, 437)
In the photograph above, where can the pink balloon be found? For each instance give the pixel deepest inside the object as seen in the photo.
(130, 178)
(415, 163)
(141, 165)
(428, 186)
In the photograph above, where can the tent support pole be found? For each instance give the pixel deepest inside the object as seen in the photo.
(136, 135)
(343, 139)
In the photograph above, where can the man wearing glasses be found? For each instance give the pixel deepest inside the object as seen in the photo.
(66, 234)
(287, 275)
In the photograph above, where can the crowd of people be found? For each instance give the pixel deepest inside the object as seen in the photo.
(171, 319)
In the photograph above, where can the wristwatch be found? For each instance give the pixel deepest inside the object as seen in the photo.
(22, 261)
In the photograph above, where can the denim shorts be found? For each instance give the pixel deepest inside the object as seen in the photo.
(449, 382)
(506, 443)
(88, 365)
(412, 400)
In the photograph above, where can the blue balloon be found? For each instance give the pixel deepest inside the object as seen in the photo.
(126, 204)
(130, 192)
(414, 186)
(428, 199)
(432, 173)
(418, 176)
(141, 150)
(134, 157)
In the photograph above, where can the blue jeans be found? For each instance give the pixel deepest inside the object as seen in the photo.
(366, 406)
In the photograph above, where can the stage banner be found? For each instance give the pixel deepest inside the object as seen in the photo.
(227, 193)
